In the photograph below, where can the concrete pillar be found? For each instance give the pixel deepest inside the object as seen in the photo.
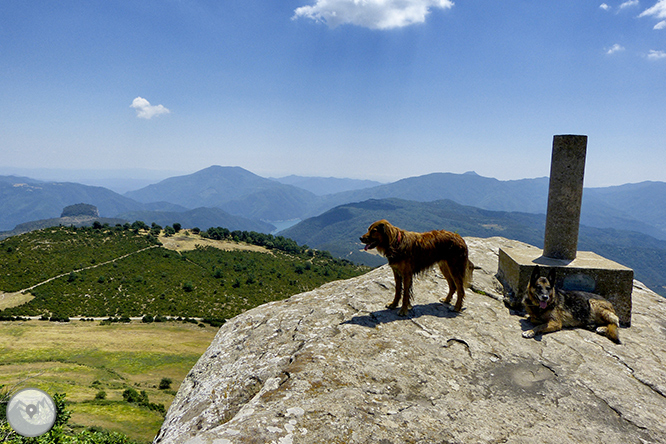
(565, 196)
(582, 270)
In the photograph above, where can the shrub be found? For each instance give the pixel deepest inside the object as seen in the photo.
(188, 286)
(165, 384)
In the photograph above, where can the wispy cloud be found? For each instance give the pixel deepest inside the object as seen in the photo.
(373, 14)
(144, 110)
(615, 48)
(604, 6)
(660, 25)
(658, 10)
(628, 4)
(656, 55)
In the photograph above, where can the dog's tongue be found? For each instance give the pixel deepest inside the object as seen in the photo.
(366, 247)
(543, 304)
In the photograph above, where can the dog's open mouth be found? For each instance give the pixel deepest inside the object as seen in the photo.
(370, 246)
(543, 304)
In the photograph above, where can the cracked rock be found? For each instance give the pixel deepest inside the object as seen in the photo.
(333, 365)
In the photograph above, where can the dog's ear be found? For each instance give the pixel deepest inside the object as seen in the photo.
(380, 226)
(536, 273)
(551, 277)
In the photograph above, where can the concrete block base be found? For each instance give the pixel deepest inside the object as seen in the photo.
(588, 272)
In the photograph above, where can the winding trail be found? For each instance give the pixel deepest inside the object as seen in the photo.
(8, 296)
(89, 268)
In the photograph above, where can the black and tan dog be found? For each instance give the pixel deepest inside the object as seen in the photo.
(410, 253)
(550, 308)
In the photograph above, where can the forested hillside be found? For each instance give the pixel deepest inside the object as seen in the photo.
(124, 271)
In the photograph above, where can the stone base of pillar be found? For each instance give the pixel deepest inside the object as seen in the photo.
(588, 272)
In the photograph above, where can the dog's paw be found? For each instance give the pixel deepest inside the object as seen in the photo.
(403, 312)
(391, 306)
(602, 331)
(528, 334)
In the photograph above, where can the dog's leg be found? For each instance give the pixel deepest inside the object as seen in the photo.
(406, 295)
(444, 267)
(550, 326)
(604, 314)
(456, 280)
(461, 295)
(398, 290)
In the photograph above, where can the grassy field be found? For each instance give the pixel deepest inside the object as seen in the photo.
(82, 358)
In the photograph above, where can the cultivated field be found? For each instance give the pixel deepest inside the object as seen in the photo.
(83, 358)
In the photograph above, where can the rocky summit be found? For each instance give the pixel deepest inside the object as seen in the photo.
(333, 365)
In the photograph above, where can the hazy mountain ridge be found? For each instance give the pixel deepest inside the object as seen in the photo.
(322, 186)
(623, 207)
(468, 189)
(28, 200)
(636, 207)
(234, 190)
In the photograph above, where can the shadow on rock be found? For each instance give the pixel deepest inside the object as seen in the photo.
(436, 309)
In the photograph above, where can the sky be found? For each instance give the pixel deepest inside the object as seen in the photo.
(366, 89)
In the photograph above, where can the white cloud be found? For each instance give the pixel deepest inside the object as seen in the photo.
(628, 4)
(658, 10)
(656, 55)
(615, 48)
(373, 14)
(144, 110)
(660, 25)
(604, 6)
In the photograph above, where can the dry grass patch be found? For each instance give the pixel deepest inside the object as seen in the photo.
(8, 300)
(187, 242)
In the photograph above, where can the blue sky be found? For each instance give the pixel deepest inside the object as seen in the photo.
(376, 89)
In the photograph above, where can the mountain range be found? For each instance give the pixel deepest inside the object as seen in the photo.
(635, 207)
(235, 198)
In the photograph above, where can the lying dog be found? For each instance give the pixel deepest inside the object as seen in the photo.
(410, 253)
(550, 308)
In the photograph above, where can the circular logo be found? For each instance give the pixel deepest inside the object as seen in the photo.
(31, 412)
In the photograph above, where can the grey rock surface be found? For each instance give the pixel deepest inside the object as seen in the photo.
(334, 366)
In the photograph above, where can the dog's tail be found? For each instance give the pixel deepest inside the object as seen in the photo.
(469, 270)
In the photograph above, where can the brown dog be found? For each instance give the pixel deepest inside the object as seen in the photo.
(550, 308)
(410, 253)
